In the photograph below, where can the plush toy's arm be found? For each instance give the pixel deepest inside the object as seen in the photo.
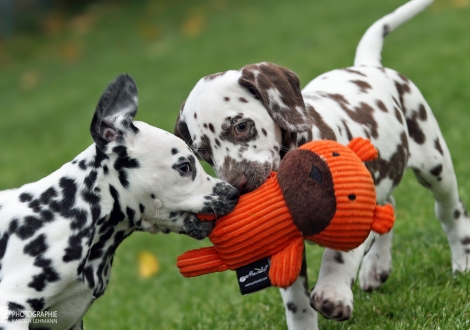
(286, 264)
(384, 217)
(200, 262)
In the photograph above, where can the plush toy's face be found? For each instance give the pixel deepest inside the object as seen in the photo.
(307, 185)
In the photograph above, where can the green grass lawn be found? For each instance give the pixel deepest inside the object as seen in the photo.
(50, 83)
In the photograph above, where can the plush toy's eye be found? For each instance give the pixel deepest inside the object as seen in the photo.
(315, 174)
(335, 154)
(352, 197)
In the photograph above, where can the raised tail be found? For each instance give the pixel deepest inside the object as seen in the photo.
(369, 50)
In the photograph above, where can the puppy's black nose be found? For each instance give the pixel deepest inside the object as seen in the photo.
(233, 194)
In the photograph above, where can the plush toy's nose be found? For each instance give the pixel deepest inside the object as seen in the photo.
(307, 185)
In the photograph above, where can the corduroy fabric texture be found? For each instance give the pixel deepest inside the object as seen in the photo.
(355, 194)
(261, 224)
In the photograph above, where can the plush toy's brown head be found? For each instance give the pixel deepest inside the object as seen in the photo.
(329, 192)
(307, 185)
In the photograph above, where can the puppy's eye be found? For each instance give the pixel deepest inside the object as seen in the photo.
(241, 127)
(184, 167)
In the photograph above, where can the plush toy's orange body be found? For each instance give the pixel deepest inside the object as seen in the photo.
(322, 193)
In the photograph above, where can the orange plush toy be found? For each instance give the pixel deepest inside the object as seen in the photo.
(321, 193)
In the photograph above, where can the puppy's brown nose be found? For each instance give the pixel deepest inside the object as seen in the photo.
(239, 183)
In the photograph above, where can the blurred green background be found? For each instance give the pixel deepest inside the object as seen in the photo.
(56, 58)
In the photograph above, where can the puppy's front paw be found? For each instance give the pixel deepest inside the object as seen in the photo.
(333, 301)
(460, 258)
(459, 241)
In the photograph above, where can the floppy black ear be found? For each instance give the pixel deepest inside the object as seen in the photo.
(279, 90)
(118, 100)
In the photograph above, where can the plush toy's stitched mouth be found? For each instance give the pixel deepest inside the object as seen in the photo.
(206, 217)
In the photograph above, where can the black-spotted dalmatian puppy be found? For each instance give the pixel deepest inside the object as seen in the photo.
(58, 235)
(242, 123)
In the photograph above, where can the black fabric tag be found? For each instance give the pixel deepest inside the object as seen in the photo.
(254, 277)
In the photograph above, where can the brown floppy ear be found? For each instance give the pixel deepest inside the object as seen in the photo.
(279, 90)
(181, 129)
(289, 142)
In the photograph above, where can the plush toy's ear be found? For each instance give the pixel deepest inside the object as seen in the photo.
(363, 148)
(279, 90)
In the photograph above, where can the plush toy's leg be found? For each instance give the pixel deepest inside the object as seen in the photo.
(200, 262)
(286, 264)
(299, 314)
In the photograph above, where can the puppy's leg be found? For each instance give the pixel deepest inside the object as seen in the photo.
(14, 326)
(431, 162)
(299, 314)
(332, 295)
(13, 312)
(78, 326)
(432, 166)
(377, 262)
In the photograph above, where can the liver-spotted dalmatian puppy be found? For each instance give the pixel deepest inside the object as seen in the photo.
(242, 123)
(58, 235)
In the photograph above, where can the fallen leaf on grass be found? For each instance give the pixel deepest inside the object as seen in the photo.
(148, 264)
(72, 51)
(440, 5)
(150, 31)
(82, 24)
(29, 79)
(460, 3)
(194, 24)
(53, 23)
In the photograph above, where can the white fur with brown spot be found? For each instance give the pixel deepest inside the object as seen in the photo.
(364, 100)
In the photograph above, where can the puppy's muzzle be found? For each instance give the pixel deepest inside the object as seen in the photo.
(200, 229)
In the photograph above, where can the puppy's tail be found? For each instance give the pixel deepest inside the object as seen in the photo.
(369, 50)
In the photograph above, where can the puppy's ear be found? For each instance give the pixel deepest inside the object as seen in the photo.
(279, 90)
(289, 142)
(114, 113)
(181, 129)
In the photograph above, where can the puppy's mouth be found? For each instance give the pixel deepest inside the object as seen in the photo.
(251, 185)
(195, 228)
(248, 176)
(199, 225)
